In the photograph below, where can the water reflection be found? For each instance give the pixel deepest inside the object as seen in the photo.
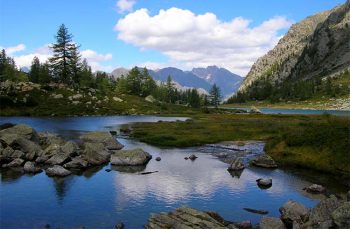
(99, 199)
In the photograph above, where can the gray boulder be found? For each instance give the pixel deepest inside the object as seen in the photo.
(236, 165)
(320, 216)
(130, 157)
(293, 211)
(187, 218)
(95, 153)
(29, 167)
(271, 223)
(8, 139)
(57, 170)
(341, 216)
(264, 161)
(76, 163)
(47, 139)
(22, 130)
(102, 137)
(70, 148)
(10, 153)
(15, 163)
(42, 159)
(58, 159)
(29, 148)
(316, 189)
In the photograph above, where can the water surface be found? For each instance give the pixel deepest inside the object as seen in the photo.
(295, 111)
(99, 199)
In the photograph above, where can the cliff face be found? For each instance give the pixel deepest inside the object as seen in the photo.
(315, 47)
(328, 52)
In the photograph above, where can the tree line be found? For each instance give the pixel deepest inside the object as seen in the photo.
(67, 66)
(296, 90)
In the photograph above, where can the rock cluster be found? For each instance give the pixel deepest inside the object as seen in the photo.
(21, 146)
(329, 213)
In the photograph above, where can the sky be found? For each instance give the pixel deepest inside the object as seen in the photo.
(154, 33)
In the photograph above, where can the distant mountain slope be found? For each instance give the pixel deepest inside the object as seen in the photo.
(118, 72)
(278, 63)
(186, 79)
(200, 78)
(227, 81)
(313, 51)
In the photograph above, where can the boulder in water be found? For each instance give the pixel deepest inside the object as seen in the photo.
(130, 157)
(236, 165)
(264, 161)
(57, 170)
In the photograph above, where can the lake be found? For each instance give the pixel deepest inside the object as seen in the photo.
(99, 199)
(294, 111)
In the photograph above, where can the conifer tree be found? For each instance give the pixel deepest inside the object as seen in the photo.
(34, 70)
(62, 55)
(215, 95)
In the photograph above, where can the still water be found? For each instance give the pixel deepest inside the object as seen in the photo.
(99, 199)
(296, 111)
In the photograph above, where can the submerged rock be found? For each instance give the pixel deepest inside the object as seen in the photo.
(293, 211)
(130, 157)
(57, 170)
(271, 223)
(264, 161)
(236, 165)
(158, 159)
(102, 137)
(187, 218)
(192, 157)
(256, 211)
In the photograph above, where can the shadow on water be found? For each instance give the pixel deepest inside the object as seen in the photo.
(128, 169)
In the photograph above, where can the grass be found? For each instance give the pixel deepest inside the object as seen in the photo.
(43, 104)
(315, 142)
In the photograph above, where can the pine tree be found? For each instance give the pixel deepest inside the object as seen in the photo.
(34, 70)
(75, 63)
(44, 74)
(62, 55)
(215, 96)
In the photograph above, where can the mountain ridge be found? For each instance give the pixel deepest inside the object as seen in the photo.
(200, 78)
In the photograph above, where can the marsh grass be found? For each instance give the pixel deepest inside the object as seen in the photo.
(319, 142)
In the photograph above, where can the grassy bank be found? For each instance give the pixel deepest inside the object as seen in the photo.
(44, 103)
(316, 142)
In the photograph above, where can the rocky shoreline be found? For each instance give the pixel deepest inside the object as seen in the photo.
(21, 147)
(332, 212)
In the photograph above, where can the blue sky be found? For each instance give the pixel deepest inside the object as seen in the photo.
(115, 33)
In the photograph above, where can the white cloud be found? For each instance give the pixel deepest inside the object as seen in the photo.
(14, 49)
(44, 53)
(93, 56)
(192, 40)
(125, 5)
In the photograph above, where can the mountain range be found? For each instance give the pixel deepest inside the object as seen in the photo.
(200, 78)
(317, 48)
